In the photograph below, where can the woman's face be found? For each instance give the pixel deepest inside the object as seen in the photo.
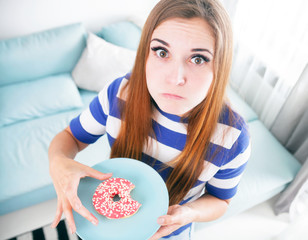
(179, 68)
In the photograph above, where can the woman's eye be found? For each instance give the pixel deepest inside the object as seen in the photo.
(160, 52)
(198, 60)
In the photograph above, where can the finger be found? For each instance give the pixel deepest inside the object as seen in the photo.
(172, 208)
(164, 231)
(79, 208)
(58, 214)
(154, 237)
(157, 235)
(71, 194)
(91, 172)
(87, 215)
(161, 219)
(69, 217)
(167, 220)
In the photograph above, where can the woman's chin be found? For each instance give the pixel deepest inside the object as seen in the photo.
(174, 111)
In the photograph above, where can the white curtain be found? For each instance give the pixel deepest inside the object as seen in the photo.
(270, 72)
(271, 51)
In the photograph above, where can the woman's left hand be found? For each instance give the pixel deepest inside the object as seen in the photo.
(176, 217)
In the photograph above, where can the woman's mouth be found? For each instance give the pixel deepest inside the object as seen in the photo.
(172, 96)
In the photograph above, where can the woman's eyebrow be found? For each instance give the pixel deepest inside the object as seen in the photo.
(193, 50)
(161, 41)
(201, 50)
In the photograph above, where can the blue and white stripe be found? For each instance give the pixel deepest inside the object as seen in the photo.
(229, 144)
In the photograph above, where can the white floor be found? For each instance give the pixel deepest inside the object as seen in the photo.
(257, 223)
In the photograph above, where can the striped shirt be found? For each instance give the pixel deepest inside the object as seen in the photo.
(230, 144)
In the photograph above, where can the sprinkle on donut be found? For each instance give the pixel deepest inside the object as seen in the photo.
(105, 192)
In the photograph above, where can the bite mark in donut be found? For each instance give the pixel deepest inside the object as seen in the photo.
(104, 203)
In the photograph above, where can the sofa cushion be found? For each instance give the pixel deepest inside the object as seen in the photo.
(24, 173)
(124, 34)
(240, 106)
(37, 98)
(100, 63)
(41, 54)
(269, 170)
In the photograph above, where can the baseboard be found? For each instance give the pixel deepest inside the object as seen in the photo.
(28, 219)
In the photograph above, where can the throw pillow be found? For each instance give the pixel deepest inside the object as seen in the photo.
(100, 63)
(41, 54)
(124, 34)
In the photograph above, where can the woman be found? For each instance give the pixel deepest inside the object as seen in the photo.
(170, 113)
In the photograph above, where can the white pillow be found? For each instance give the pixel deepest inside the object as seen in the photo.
(100, 63)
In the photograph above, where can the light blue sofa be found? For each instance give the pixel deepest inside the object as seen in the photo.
(38, 98)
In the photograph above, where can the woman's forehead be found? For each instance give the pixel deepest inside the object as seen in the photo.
(195, 32)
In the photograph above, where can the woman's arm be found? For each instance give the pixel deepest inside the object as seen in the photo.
(204, 209)
(208, 208)
(66, 173)
(65, 144)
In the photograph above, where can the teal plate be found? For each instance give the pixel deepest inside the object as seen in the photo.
(150, 190)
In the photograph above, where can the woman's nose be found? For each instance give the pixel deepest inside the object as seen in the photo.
(177, 75)
(180, 78)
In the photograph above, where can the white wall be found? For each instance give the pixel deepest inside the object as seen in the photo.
(20, 17)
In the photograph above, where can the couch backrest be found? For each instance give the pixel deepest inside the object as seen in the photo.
(41, 54)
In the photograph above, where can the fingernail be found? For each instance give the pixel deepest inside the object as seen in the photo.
(72, 231)
(160, 220)
(95, 222)
(78, 206)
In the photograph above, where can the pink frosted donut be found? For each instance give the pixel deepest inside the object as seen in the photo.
(105, 192)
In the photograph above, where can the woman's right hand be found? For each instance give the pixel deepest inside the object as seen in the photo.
(66, 174)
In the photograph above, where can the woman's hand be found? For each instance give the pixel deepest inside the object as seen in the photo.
(176, 217)
(204, 209)
(66, 174)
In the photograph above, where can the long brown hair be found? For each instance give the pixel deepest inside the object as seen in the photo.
(202, 120)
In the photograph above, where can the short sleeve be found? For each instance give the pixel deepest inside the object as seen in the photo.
(90, 125)
(224, 183)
